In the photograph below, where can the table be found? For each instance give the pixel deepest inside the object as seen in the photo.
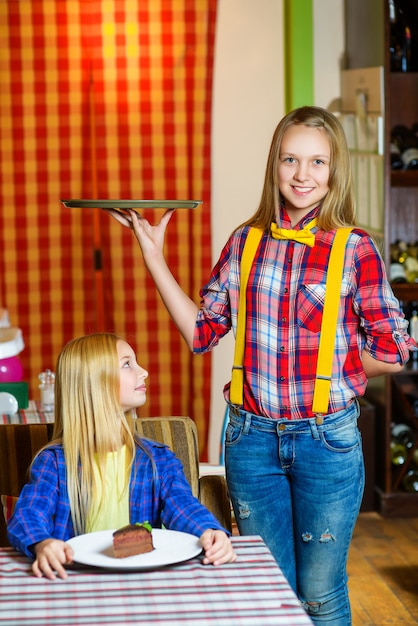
(32, 415)
(250, 592)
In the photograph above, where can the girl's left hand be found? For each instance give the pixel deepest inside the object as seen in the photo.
(218, 547)
(51, 556)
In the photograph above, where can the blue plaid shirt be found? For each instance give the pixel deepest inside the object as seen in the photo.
(159, 493)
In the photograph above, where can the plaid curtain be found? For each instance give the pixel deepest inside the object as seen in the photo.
(105, 99)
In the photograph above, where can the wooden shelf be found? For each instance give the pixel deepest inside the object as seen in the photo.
(405, 291)
(399, 178)
(367, 45)
(397, 504)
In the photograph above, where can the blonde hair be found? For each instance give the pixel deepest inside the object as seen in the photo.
(89, 420)
(338, 206)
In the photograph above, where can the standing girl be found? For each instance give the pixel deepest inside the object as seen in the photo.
(95, 475)
(295, 475)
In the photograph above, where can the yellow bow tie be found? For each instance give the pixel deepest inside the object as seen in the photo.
(305, 235)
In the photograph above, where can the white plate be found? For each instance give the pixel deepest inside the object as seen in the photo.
(170, 546)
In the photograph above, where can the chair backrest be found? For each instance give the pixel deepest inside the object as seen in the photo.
(179, 434)
(8, 504)
(18, 445)
(20, 442)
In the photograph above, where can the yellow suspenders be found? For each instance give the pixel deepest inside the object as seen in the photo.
(328, 325)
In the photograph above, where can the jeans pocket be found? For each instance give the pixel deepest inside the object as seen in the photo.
(233, 433)
(342, 438)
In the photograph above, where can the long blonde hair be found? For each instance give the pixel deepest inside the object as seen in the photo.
(89, 419)
(338, 206)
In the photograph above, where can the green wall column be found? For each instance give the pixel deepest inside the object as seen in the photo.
(298, 53)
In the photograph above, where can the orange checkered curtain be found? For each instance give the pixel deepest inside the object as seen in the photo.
(105, 99)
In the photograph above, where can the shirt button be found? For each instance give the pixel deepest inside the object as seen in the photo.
(284, 319)
(282, 378)
(285, 290)
(281, 348)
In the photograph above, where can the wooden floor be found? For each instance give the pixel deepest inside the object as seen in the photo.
(383, 571)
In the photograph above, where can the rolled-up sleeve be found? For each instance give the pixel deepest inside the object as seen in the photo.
(214, 319)
(42, 510)
(382, 318)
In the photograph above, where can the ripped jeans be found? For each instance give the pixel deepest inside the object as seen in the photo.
(299, 484)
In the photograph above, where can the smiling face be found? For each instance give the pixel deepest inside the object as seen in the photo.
(304, 169)
(133, 391)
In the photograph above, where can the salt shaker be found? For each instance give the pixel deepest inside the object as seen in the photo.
(47, 379)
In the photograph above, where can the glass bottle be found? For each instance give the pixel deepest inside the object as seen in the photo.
(413, 327)
(398, 453)
(402, 440)
(411, 263)
(396, 162)
(403, 148)
(400, 40)
(404, 435)
(397, 273)
(47, 385)
(410, 481)
(409, 151)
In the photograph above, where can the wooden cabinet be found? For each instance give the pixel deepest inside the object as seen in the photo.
(367, 45)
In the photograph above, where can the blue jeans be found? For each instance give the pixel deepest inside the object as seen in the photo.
(299, 484)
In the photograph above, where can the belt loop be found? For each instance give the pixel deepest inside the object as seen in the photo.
(247, 424)
(313, 422)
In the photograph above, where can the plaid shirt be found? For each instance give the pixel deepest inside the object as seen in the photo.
(43, 508)
(285, 300)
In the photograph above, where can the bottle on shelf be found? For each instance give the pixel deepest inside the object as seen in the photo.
(413, 328)
(398, 453)
(397, 271)
(409, 153)
(396, 162)
(403, 434)
(403, 148)
(411, 263)
(402, 440)
(400, 39)
(410, 480)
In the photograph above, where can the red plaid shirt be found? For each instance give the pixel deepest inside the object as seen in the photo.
(285, 299)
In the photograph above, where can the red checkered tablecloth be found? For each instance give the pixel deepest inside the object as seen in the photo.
(250, 592)
(32, 415)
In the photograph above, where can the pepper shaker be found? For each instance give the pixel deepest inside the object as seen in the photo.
(47, 385)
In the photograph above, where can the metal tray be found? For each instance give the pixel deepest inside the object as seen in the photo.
(124, 205)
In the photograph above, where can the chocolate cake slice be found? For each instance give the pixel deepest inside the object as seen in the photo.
(132, 539)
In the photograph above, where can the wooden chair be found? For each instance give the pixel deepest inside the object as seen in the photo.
(180, 434)
(20, 442)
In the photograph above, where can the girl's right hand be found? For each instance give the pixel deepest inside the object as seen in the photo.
(51, 556)
(180, 306)
(150, 238)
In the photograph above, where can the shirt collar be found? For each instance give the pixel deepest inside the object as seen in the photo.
(284, 220)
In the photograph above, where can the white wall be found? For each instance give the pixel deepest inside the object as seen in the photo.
(328, 24)
(248, 103)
